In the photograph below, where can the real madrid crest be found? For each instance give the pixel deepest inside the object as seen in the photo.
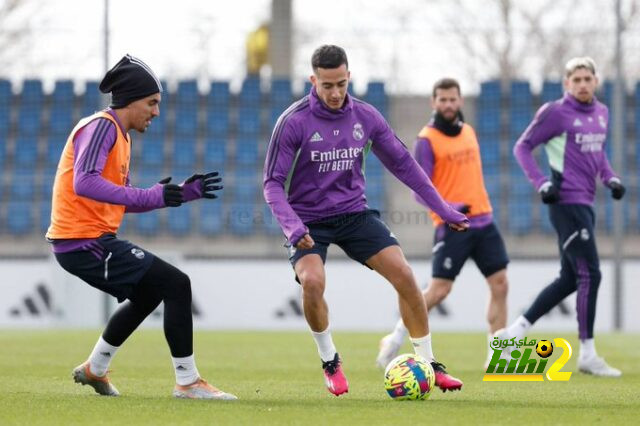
(602, 122)
(358, 131)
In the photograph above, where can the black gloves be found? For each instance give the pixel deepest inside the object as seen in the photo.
(617, 189)
(549, 193)
(201, 186)
(171, 193)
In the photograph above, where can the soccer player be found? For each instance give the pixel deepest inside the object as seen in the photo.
(314, 184)
(91, 194)
(573, 130)
(448, 151)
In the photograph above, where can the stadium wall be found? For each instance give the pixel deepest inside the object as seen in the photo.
(262, 295)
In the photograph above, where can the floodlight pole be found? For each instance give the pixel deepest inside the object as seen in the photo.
(618, 165)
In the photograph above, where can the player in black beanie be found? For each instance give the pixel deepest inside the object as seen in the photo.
(129, 80)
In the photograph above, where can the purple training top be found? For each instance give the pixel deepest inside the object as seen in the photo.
(574, 135)
(315, 163)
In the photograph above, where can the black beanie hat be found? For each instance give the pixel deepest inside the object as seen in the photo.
(129, 80)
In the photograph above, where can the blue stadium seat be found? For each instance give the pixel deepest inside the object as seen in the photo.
(3, 150)
(249, 120)
(22, 186)
(148, 224)
(551, 90)
(219, 95)
(187, 92)
(184, 152)
(179, 221)
(211, 218)
(218, 121)
(215, 153)
(63, 94)
(147, 176)
(246, 185)
(55, 145)
(247, 151)
(20, 217)
(250, 94)
(152, 153)
(61, 122)
(186, 122)
(44, 215)
(490, 153)
(26, 153)
(31, 107)
(45, 184)
(377, 97)
(92, 100)
(6, 97)
(281, 93)
(242, 219)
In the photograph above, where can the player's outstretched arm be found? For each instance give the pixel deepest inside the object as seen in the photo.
(396, 158)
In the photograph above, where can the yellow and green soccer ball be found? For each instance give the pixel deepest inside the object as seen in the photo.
(544, 348)
(409, 377)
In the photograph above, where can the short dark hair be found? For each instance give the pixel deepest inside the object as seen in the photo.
(446, 83)
(329, 56)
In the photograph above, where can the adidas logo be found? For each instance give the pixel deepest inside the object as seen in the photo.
(181, 368)
(291, 308)
(316, 138)
(107, 354)
(577, 122)
(34, 304)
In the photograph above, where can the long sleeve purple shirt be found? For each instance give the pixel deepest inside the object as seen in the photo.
(315, 163)
(574, 135)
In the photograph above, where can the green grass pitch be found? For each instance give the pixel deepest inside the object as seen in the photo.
(278, 379)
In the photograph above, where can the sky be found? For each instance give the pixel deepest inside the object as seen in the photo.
(406, 43)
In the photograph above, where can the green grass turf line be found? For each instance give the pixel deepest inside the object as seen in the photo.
(278, 378)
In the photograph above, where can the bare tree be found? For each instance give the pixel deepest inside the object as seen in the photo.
(16, 31)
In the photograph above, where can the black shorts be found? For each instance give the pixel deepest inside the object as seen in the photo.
(361, 235)
(451, 249)
(108, 264)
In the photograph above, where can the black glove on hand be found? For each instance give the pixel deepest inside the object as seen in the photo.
(202, 186)
(171, 193)
(617, 190)
(464, 209)
(549, 193)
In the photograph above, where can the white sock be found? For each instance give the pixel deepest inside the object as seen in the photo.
(101, 357)
(587, 348)
(422, 347)
(186, 370)
(519, 327)
(326, 348)
(399, 333)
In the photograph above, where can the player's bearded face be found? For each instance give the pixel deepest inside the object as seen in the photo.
(447, 103)
(143, 111)
(331, 85)
(581, 84)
